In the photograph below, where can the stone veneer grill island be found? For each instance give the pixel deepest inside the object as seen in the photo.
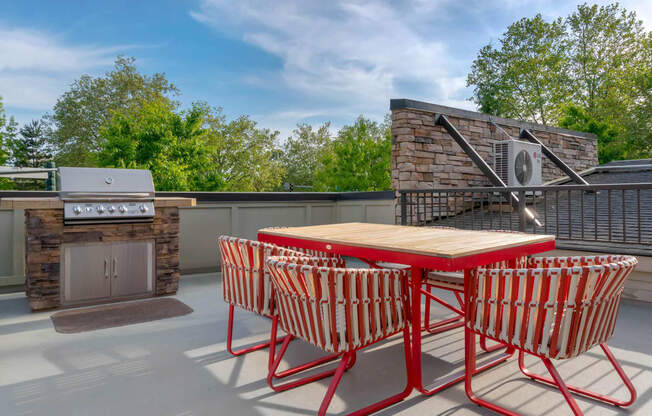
(45, 234)
(425, 156)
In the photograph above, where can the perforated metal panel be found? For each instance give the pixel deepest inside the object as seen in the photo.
(501, 160)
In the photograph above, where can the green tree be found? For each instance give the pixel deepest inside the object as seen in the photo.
(152, 136)
(7, 133)
(193, 150)
(525, 77)
(303, 152)
(611, 146)
(242, 156)
(638, 121)
(598, 58)
(608, 54)
(360, 160)
(611, 59)
(80, 113)
(31, 148)
(4, 152)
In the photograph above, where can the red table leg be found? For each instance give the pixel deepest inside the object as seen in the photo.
(416, 275)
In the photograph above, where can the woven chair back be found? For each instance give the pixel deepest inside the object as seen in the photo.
(556, 307)
(337, 309)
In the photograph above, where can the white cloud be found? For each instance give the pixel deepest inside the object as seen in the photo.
(27, 50)
(643, 9)
(37, 67)
(33, 92)
(345, 53)
(285, 121)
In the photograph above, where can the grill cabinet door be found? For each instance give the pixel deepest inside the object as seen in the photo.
(132, 266)
(86, 272)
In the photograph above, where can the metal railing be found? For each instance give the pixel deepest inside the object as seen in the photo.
(602, 215)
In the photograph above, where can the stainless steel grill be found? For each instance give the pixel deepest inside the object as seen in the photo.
(97, 195)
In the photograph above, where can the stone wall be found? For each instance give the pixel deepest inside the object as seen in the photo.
(424, 155)
(45, 233)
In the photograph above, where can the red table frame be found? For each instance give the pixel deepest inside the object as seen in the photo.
(418, 263)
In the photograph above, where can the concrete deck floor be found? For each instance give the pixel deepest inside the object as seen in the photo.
(180, 367)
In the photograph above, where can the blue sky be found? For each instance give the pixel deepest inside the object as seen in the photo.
(281, 62)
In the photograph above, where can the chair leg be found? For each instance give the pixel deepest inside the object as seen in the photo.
(339, 372)
(556, 380)
(347, 361)
(229, 338)
(426, 315)
(587, 393)
(372, 408)
(408, 385)
(469, 370)
(441, 326)
(483, 345)
(447, 324)
(281, 374)
(275, 361)
(312, 364)
(562, 387)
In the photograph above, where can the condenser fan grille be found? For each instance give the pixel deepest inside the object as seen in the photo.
(523, 167)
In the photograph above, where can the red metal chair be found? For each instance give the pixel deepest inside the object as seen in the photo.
(245, 283)
(454, 282)
(555, 308)
(337, 310)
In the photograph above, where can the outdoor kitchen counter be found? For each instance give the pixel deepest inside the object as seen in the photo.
(145, 254)
(56, 203)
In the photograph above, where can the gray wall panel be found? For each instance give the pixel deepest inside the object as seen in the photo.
(6, 242)
(200, 226)
(199, 229)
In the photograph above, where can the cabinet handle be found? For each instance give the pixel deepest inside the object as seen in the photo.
(115, 268)
(106, 267)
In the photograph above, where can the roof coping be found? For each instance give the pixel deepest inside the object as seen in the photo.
(405, 103)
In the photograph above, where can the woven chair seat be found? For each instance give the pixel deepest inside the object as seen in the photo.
(387, 265)
(455, 280)
(447, 280)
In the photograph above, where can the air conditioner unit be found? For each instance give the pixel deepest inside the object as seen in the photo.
(518, 163)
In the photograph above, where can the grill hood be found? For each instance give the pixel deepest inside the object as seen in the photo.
(92, 183)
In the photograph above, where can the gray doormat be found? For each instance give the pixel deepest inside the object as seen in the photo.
(117, 314)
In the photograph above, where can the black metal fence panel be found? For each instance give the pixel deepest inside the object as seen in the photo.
(609, 213)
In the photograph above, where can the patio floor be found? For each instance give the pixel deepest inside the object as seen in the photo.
(180, 367)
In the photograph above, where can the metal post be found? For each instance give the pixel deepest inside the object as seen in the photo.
(521, 212)
(51, 182)
(527, 134)
(403, 208)
(442, 120)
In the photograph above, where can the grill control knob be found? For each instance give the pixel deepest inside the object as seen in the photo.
(89, 209)
(77, 209)
(143, 208)
(100, 208)
(111, 208)
(123, 208)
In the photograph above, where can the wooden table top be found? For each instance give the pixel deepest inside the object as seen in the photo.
(427, 241)
(56, 203)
